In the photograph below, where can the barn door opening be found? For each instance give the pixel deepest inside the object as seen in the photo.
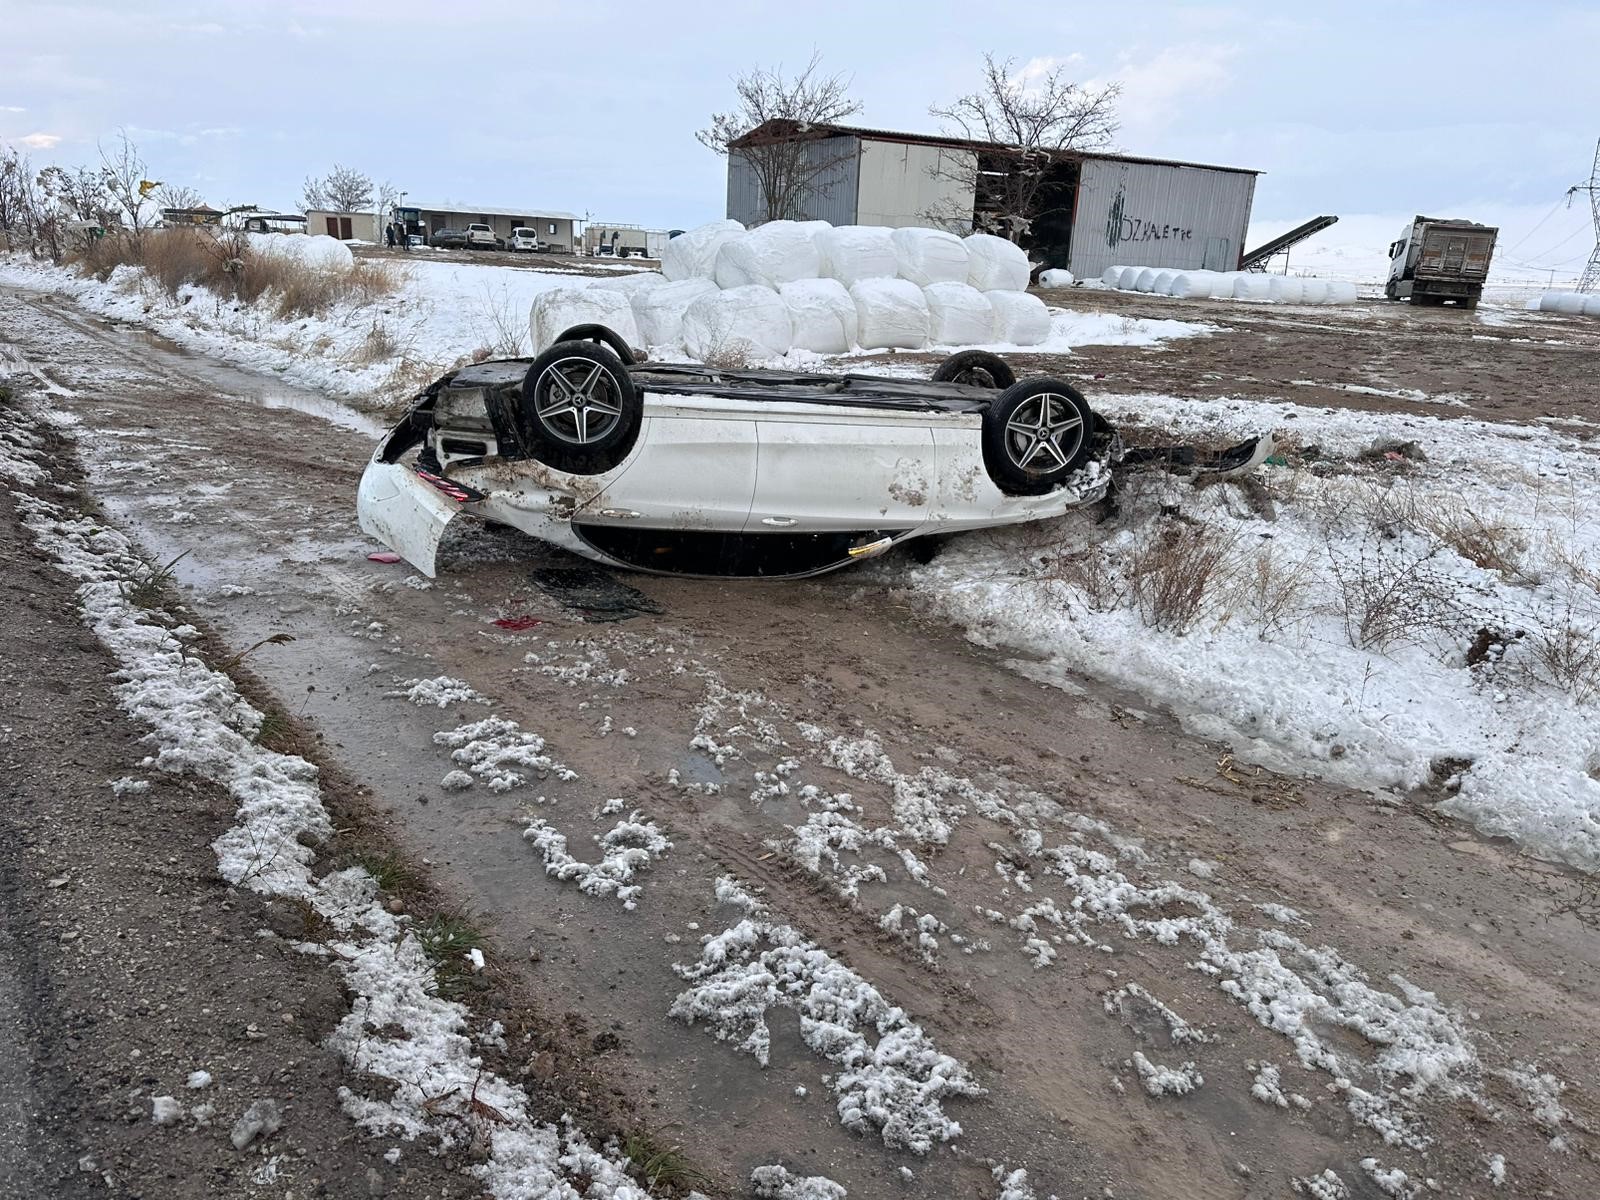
(1219, 255)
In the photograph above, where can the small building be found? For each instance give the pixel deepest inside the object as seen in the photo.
(1095, 209)
(555, 228)
(346, 226)
(203, 215)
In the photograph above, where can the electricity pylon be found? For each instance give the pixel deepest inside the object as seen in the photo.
(1591, 273)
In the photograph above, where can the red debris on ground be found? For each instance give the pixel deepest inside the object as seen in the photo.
(517, 624)
(384, 556)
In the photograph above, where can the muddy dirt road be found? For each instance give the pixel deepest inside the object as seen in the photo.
(1165, 982)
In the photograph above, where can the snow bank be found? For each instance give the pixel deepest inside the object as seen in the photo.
(851, 253)
(694, 254)
(742, 322)
(1019, 319)
(927, 256)
(996, 265)
(822, 314)
(958, 315)
(560, 309)
(770, 255)
(314, 249)
(659, 310)
(890, 313)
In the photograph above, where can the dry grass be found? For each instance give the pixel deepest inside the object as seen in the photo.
(229, 265)
(1490, 544)
(505, 324)
(1173, 575)
(1273, 592)
(1566, 655)
(1092, 573)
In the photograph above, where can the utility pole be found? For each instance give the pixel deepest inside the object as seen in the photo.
(1591, 273)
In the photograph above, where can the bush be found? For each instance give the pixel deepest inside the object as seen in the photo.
(1173, 572)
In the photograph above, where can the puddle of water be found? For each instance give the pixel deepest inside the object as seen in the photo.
(236, 383)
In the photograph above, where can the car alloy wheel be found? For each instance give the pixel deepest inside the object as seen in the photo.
(575, 401)
(1044, 432)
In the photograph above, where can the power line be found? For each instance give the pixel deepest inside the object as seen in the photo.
(1553, 208)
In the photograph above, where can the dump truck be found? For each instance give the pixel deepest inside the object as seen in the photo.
(1437, 260)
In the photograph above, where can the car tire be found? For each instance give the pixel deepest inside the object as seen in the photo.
(605, 336)
(1035, 434)
(978, 368)
(580, 410)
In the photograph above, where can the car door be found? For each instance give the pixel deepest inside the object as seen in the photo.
(693, 469)
(821, 468)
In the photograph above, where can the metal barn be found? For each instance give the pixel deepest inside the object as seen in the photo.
(1098, 209)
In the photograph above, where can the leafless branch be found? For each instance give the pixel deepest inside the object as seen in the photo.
(343, 189)
(790, 157)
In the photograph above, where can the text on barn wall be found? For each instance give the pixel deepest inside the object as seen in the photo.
(1120, 227)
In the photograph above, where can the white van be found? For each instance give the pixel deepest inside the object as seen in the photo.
(524, 239)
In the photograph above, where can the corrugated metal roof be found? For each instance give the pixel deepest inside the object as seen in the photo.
(778, 128)
(492, 210)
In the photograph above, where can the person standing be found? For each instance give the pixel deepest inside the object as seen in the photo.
(388, 235)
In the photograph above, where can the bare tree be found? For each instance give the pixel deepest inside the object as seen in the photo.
(178, 195)
(789, 156)
(15, 172)
(126, 179)
(343, 189)
(1032, 121)
(80, 194)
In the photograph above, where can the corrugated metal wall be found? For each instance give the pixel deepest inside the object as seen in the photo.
(831, 196)
(904, 183)
(1153, 215)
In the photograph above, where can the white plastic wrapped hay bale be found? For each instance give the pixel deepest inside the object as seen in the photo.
(632, 285)
(1111, 277)
(1251, 287)
(1222, 285)
(1019, 319)
(1547, 301)
(822, 315)
(694, 254)
(995, 264)
(1055, 277)
(1284, 289)
(890, 313)
(771, 255)
(1313, 291)
(558, 310)
(1163, 284)
(658, 311)
(1191, 285)
(1591, 306)
(1145, 280)
(851, 253)
(1571, 303)
(315, 250)
(958, 315)
(1342, 292)
(927, 256)
(1128, 277)
(737, 324)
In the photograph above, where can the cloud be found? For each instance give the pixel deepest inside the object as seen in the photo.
(12, 108)
(41, 141)
(1155, 90)
(1036, 70)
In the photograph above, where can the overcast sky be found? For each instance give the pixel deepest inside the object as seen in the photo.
(1369, 110)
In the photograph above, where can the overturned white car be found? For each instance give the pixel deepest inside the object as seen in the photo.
(700, 471)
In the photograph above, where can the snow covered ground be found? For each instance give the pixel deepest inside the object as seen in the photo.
(1399, 622)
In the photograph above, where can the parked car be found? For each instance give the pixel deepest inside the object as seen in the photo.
(697, 470)
(481, 237)
(524, 241)
(448, 239)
